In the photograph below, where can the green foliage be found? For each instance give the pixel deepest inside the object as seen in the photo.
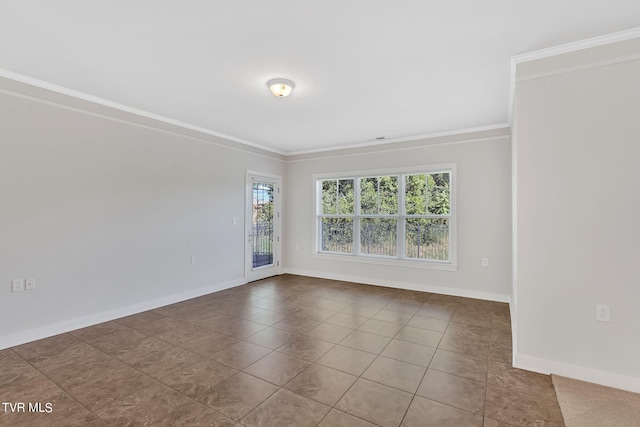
(378, 236)
(425, 194)
(379, 195)
(428, 194)
(337, 197)
(415, 194)
(438, 186)
(337, 235)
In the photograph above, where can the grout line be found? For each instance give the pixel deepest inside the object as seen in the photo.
(399, 301)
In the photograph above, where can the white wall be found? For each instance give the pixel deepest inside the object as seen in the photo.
(578, 214)
(106, 214)
(484, 222)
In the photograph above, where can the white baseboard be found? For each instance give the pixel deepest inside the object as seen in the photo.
(445, 290)
(23, 337)
(547, 367)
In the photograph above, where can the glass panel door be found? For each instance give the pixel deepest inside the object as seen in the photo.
(262, 224)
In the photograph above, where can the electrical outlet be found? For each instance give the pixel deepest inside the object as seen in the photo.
(17, 285)
(603, 314)
(234, 220)
(485, 262)
(193, 259)
(30, 284)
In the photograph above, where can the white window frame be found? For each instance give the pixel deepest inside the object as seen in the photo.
(399, 260)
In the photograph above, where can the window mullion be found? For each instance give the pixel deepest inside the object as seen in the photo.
(401, 239)
(356, 218)
(378, 194)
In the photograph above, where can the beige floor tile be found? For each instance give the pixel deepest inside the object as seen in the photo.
(328, 332)
(392, 316)
(347, 360)
(462, 393)
(365, 341)
(430, 323)
(210, 344)
(238, 395)
(376, 403)
(419, 336)
(199, 378)
(143, 407)
(162, 364)
(504, 375)
(306, 348)
(285, 408)
(461, 364)
(40, 350)
(308, 337)
(271, 338)
(240, 355)
(97, 393)
(337, 418)
(277, 368)
(380, 327)
(322, 384)
(394, 373)
(409, 352)
(521, 409)
(346, 320)
(428, 413)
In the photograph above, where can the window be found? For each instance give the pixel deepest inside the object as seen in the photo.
(406, 215)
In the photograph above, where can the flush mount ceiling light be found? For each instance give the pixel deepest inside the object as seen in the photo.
(280, 87)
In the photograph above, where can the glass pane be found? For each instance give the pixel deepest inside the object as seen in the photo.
(388, 195)
(369, 196)
(427, 238)
(337, 235)
(439, 193)
(378, 236)
(345, 197)
(379, 195)
(415, 194)
(329, 196)
(262, 227)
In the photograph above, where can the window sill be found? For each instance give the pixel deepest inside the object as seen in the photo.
(429, 265)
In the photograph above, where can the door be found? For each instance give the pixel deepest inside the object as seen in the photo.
(263, 231)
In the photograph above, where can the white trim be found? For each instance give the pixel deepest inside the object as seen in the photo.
(121, 107)
(422, 287)
(578, 45)
(64, 106)
(433, 168)
(406, 139)
(34, 334)
(250, 175)
(450, 265)
(585, 66)
(563, 49)
(546, 367)
(391, 262)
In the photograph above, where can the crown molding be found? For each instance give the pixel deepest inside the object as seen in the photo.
(126, 109)
(578, 45)
(563, 49)
(411, 138)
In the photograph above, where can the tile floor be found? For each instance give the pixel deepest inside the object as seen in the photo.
(285, 351)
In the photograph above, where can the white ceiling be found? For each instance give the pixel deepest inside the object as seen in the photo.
(362, 68)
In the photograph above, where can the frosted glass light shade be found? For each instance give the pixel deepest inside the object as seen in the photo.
(280, 87)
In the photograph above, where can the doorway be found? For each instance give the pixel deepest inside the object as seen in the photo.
(263, 226)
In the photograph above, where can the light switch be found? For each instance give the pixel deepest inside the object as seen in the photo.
(17, 285)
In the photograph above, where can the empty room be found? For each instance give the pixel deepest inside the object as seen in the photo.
(356, 213)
